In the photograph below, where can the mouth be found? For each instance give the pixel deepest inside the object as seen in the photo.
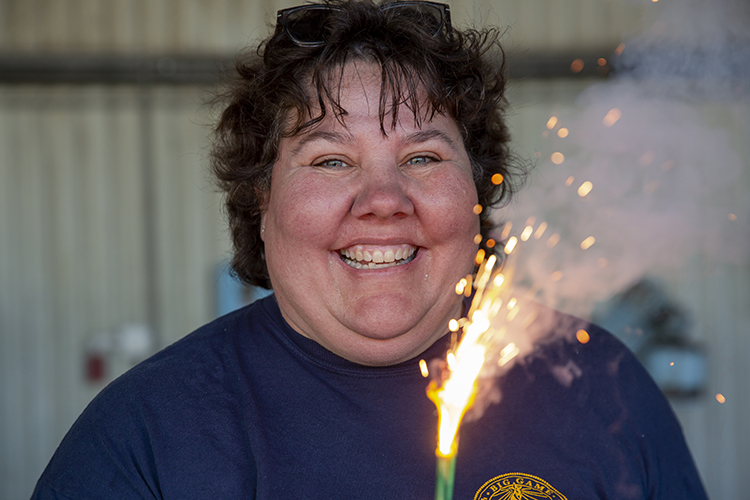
(377, 257)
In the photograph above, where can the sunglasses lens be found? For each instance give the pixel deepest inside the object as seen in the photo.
(308, 25)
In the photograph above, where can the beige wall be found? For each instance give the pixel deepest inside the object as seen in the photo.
(107, 215)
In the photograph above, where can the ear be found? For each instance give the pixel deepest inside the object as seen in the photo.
(265, 197)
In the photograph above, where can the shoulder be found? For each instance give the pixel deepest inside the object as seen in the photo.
(159, 414)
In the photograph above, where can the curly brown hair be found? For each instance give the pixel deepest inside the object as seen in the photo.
(458, 73)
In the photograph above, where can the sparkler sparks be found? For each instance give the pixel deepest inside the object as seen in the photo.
(463, 363)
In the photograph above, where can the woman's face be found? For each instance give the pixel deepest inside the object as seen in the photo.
(367, 234)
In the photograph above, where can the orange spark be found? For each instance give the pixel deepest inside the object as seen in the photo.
(552, 122)
(477, 209)
(569, 180)
(611, 117)
(647, 158)
(480, 256)
(506, 230)
(477, 239)
(583, 336)
(619, 49)
(490, 243)
(557, 158)
(553, 240)
(586, 244)
(540, 230)
(497, 179)
(511, 245)
(720, 398)
(526, 233)
(601, 61)
(423, 368)
(585, 189)
(563, 133)
(576, 66)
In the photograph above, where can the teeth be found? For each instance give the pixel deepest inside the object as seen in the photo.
(378, 258)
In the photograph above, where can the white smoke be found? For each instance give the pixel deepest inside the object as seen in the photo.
(667, 175)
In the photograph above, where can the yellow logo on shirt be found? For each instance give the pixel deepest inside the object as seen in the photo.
(517, 486)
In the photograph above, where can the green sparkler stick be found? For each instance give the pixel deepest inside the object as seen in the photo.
(445, 473)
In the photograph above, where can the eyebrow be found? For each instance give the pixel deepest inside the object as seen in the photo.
(334, 137)
(418, 137)
(428, 135)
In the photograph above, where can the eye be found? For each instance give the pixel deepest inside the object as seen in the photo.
(418, 160)
(334, 163)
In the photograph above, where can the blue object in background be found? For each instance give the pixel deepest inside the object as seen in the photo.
(231, 294)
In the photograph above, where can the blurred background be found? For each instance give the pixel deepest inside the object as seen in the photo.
(635, 113)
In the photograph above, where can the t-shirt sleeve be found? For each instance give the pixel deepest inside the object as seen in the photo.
(92, 462)
(668, 465)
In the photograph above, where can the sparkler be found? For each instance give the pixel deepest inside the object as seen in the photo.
(463, 364)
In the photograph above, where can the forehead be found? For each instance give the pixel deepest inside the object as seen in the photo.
(361, 89)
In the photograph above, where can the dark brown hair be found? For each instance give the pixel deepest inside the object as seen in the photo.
(461, 73)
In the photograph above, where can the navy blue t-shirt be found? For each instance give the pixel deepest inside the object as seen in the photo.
(247, 408)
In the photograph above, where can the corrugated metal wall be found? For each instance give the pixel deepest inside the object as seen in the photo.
(107, 218)
(107, 214)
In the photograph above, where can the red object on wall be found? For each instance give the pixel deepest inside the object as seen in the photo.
(95, 366)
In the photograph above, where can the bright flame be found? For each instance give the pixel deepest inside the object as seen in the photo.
(465, 360)
(526, 233)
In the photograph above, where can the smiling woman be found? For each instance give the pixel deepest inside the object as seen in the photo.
(349, 187)
(360, 149)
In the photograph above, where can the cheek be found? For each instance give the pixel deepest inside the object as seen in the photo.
(450, 205)
(306, 211)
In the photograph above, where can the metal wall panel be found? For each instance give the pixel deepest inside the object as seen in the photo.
(179, 26)
(74, 246)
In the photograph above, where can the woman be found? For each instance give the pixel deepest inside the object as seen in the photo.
(354, 149)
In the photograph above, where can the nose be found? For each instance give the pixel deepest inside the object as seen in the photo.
(382, 195)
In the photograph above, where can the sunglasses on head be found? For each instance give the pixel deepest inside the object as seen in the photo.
(307, 25)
